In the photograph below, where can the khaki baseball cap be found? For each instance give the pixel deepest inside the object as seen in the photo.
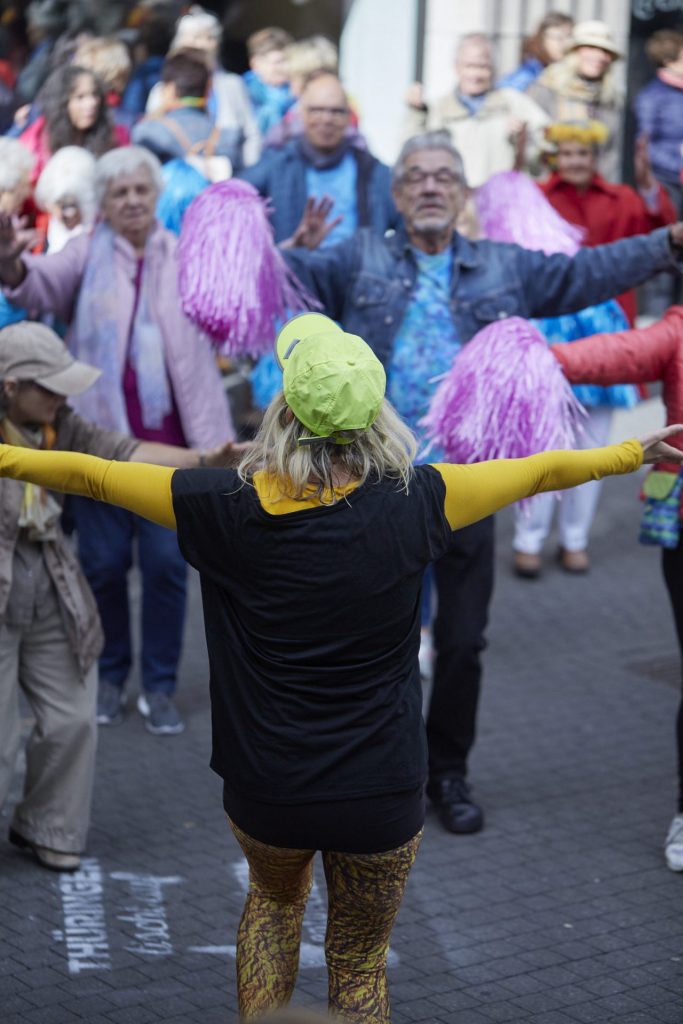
(332, 381)
(32, 351)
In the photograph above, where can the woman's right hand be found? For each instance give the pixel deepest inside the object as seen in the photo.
(655, 448)
(315, 224)
(15, 237)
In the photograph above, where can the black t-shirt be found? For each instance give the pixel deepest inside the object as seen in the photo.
(312, 625)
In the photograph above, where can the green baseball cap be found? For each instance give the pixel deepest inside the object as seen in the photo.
(332, 381)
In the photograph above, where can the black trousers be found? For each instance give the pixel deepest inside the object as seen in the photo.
(464, 585)
(672, 567)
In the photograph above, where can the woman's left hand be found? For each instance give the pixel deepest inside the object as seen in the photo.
(228, 454)
(655, 448)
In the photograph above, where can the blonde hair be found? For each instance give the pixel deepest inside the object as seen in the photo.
(108, 58)
(312, 54)
(385, 450)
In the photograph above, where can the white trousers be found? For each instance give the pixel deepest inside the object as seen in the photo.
(575, 509)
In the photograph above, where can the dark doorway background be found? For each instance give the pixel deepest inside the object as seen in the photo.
(647, 16)
(242, 17)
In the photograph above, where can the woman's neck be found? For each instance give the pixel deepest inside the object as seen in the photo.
(137, 240)
(340, 478)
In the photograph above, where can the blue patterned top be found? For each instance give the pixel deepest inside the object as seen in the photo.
(426, 343)
(604, 318)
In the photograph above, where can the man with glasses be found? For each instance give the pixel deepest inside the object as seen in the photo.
(417, 296)
(324, 164)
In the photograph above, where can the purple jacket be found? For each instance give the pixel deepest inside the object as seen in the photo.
(659, 113)
(52, 285)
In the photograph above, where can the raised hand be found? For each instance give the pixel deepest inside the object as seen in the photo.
(520, 136)
(642, 169)
(314, 227)
(415, 96)
(676, 235)
(655, 448)
(15, 237)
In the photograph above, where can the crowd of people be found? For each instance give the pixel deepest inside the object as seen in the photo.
(505, 200)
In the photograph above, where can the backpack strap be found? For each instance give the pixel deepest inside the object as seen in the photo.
(175, 129)
(207, 147)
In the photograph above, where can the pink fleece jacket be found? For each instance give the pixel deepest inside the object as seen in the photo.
(52, 285)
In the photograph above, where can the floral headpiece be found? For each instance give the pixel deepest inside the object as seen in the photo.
(590, 133)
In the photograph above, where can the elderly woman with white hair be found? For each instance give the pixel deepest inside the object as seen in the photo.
(228, 102)
(65, 192)
(117, 287)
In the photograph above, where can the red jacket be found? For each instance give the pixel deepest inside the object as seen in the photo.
(639, 356)
(607, 213)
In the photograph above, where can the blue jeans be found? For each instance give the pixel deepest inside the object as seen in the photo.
(105, 543)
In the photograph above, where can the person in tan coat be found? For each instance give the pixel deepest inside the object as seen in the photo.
(494, 129)
(50, 632)
(582, 87)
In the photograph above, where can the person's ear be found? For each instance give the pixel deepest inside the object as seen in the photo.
(169, 93)
(10, 386)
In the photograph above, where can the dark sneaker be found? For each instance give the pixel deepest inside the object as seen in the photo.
(454, 804)
(111, 701)
(160, 713)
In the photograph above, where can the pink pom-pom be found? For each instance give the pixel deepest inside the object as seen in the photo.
(504, 398)
(234, 283)
(511, 208)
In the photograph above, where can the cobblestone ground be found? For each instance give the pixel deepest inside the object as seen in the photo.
(561, 912)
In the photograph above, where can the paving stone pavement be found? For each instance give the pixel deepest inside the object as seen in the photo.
(560, 912)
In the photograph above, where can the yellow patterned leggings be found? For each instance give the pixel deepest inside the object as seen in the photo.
(364, 894)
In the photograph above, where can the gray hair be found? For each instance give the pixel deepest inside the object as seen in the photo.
(477, 38)
(427, 140)
(16, 163)
(125, 160)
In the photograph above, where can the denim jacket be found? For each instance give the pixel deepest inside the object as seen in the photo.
(367, 280)
(280, 175)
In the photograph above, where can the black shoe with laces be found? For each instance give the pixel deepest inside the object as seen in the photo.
(454, 804)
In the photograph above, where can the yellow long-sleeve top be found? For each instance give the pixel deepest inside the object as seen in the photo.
(312, 613)
(472, 492)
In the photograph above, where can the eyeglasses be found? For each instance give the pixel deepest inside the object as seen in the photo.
(416, 176)
(336, 112)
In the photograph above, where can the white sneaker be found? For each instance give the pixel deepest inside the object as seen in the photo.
(426, 655)
(160, 714)
(673, 848)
